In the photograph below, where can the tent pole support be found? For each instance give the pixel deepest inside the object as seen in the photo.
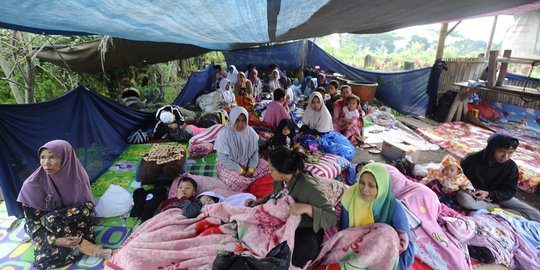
(442, 39)
(490, 41)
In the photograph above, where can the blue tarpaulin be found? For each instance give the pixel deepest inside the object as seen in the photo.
(198, 81)
(405, 91)
(95, 126)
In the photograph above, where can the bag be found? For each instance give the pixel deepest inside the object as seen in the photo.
(150, 171)
(443, 107)
(147, 202)
(277, 259)
(335, 143)
(115, 201)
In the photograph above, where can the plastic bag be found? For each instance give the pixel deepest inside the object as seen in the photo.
(115, 201)
(277, 259)
(335, 143)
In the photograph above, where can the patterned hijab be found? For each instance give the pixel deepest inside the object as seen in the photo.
(320, 120)
(380, 210)
(240, 146)
(69, 186)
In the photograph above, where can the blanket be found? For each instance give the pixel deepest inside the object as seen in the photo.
(171, 241)
(473, 139)
(432, 245)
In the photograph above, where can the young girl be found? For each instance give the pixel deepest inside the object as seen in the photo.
(283, 135)
(352, 120)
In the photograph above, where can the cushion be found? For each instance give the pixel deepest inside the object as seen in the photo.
(204, 183)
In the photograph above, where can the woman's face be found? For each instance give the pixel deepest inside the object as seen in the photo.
(276, 175)
(241, 123)
(345, 92)
(367, 187)
(241, 76)
(275, 74)
(228, 86)
(320, 79)
(316, 104)
(49, 161)
(502, 155)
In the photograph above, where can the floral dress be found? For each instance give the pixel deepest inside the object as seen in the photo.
(45, 227)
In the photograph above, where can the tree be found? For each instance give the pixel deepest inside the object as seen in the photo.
(421, 40)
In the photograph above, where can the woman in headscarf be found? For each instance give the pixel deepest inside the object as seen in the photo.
(321, 80)
(274, 81)
(370, 200)
(58, 208)
(317, 118)
(494, 176)
(237, 146)
(232, 74)
(224, 97)
(243, 90)
(311, 85)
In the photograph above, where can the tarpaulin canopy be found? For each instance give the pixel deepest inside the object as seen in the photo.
(198, 81)
(95, 126)
(119, 53)
(217, 25)
(405, 91)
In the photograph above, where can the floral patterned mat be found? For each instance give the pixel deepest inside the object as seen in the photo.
(460, 138)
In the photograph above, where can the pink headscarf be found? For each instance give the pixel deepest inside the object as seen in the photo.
(71, 181)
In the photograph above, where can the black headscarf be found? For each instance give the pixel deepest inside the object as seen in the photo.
(495, 141)
(279, 138)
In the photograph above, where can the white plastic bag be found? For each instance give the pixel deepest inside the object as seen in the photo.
(115, 201)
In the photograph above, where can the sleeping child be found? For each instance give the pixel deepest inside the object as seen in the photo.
(185, 200)
(450, 176)
(210, 197)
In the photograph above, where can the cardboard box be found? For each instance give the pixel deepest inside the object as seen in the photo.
(394, 149)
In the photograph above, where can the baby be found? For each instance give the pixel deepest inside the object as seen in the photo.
(350, 118)
(210, 197)
(185, 200)
(450, 176)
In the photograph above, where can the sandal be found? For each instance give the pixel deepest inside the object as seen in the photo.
(374, 150)
(365, 146)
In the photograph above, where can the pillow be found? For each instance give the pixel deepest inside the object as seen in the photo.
(207, 136)
(327, 167)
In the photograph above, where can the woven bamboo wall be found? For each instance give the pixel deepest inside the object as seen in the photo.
(461, 70)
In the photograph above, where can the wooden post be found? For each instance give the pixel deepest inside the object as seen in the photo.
(504, 67)
(368, 61)
(490, 41)
(492, 69)
(409, 65)
(442, 39)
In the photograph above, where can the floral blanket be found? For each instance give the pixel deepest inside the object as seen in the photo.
(460, 138)
(171, 241)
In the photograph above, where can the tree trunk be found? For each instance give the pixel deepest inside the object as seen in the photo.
(184, 68)
(30, 80)
(7, 71)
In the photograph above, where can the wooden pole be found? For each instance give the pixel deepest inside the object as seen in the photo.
(490, 41)
(442, 39)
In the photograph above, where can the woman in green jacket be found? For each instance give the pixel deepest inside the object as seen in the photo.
(317, 213)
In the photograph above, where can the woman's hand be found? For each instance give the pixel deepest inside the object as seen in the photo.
(68, 241)
(481, 195)
(301, 208)
(403, 241)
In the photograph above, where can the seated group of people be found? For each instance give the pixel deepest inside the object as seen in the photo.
(58, 204)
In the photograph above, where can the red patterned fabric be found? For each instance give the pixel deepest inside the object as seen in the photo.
(327, 167)
(240, 183)
(207, 136)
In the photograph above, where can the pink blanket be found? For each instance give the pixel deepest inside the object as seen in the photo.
(171, 241)
(432, 245)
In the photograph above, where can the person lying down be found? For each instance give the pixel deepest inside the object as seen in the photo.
(210, 197)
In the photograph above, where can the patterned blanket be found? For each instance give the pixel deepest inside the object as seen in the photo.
(171, 241)
(460, 138)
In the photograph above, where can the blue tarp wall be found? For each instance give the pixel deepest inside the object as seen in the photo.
(405, 91)
(196, 84)
(95, 126)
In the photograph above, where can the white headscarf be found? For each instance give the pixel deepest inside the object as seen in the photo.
(227, 94)
(232, 77)
(319, 120)
(240, 146)
(274, 83)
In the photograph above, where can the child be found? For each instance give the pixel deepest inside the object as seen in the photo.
(210, 197)
(284, 134)
(185, 200)
(450, 176)
(351, 118)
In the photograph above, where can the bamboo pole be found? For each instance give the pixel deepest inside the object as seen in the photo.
(490, 41)
(442, 39)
